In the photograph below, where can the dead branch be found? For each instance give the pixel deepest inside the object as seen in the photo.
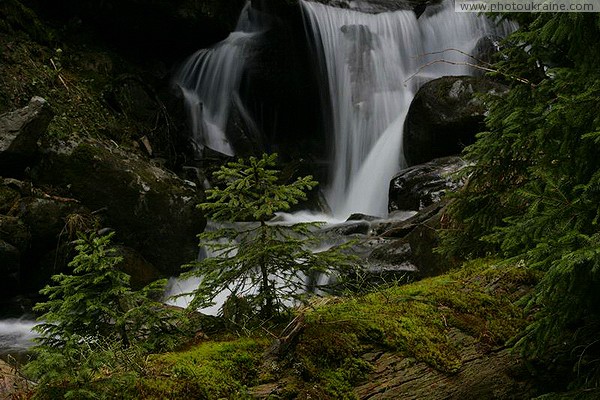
(518, 79)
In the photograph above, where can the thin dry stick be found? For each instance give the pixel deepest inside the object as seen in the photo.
(522, 80)
(456, 50)
(481, 67)
(59, 75)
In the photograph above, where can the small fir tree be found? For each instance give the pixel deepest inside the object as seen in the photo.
(264, 264)
(92, 320)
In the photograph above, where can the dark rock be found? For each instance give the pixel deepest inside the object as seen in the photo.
(38, 270)
(132, 97)
(279, 88)
(152, 210)
(401, 228)
(444, 117)
(156, 29)
(350, 228)
(15, 232)
(242, 132)
(15, 18)
(46, 219)
(17, 306)
(423, 240)
(361, 217)
(422, 185)
(10, 265)
(20, 131)
(135, 265)
(413, 252)
(8, 198)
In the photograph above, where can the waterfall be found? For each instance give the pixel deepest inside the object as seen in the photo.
(373, 64)
(210, 80)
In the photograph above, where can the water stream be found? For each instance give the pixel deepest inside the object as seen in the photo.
(16, 336)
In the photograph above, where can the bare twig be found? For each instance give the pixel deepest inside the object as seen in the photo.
(456, 50)
(60, 78)
(522, 80)
(485, 67)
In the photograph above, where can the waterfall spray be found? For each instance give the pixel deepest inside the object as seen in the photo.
(373, 66)
(210, 80)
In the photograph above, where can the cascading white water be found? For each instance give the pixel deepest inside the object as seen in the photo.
(16, 335)
(374, 64)
(210, 79)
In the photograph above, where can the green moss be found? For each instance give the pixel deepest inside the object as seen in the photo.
(425, 321)
(212, 370)
(419, 319)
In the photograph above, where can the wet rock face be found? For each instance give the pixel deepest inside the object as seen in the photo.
(407, 248)
(152, 210)
(278, 89)
(157, 29)
(422, 185)
(20, 131)
(444, 117)
(10, 262)
(33, 224)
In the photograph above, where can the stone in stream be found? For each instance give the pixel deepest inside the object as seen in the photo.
(422, 185)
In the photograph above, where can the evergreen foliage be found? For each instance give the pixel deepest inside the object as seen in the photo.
(93, 321)
(263, 265)
(533, 194)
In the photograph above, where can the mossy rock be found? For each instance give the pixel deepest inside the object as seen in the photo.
(45, 218)
(8, 198)
(152, 210)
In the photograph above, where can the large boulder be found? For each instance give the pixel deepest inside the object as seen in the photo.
(32, 224)
(152, 210)
(20, 131)
(444, 117)
(422, 185)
